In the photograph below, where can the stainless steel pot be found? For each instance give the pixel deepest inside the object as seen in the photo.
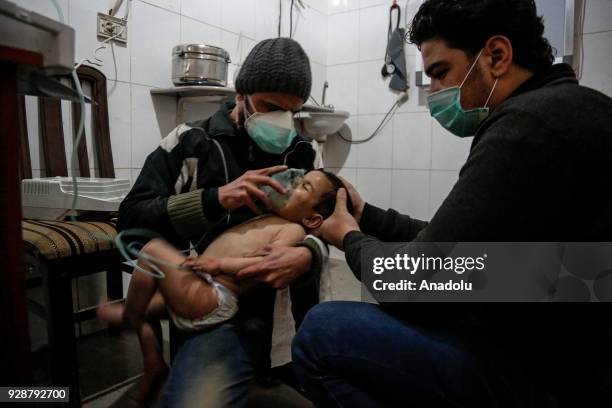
(199, 64)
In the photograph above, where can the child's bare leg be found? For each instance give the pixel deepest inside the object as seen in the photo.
(157, 308)
(185, 293)
(140, 292)
(151, 344)
(112, 312)
(150, 334)
(155, 368)
(176, 291)
(142, 287)
(148, 330)
(143, 307)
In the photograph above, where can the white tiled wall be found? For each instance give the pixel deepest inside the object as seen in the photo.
(412, 141)
(138, 120)
(408, 165)
(598, 16)
(410, 192)
(597, 40)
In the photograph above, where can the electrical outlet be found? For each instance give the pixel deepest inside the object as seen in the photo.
(109, 26)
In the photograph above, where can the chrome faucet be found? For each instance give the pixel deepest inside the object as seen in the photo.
(325, 86)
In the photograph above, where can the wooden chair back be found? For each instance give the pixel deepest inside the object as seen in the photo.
(52, 141)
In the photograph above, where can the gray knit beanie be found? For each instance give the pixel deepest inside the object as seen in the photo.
(276, 65)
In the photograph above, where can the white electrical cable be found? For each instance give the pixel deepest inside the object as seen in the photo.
(75, 185)
(74, 164)
(402, 97)
(115, 70)
(580, 62)
(239, 50)
(112, 45)
(60, 13)
(381, 126)
(100, 48)
(102, 45)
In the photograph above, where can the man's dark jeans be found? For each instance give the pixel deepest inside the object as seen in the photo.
(353, 354)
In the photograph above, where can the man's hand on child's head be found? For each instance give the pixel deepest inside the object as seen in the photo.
(341, 222)
(356, 199)
(211, 266)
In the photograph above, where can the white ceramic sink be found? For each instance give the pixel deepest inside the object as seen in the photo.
(321, 124)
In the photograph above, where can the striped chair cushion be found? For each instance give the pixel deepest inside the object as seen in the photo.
(61, 239)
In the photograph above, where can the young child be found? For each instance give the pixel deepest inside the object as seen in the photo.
(193, 299)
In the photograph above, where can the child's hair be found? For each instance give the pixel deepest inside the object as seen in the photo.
(327, 203)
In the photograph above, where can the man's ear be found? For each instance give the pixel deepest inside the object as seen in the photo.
(312, 222)
(499, 50)
(237, 113)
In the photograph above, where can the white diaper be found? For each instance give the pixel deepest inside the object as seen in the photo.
(226, 309)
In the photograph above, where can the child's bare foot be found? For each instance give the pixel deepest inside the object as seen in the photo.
(152, 381)
(112, 313)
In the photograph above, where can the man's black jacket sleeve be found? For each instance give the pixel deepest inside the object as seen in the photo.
(161, 199)
(488, 203)
(389, 226)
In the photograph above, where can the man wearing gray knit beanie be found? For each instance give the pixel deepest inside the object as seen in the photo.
(275, 77)
(276, 65)
(204, 178)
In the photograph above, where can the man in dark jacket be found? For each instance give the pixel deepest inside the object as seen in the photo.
(538, 170)
(204, 178)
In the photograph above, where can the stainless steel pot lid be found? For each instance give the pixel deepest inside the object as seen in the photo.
(200, 49)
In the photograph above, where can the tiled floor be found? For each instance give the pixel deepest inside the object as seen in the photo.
(344, 285)
(109, 399)
(105, 360)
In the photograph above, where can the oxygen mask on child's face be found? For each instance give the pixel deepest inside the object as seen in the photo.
(290, 179)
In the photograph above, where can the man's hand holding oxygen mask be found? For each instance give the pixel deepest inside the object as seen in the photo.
(246, 189)
(341, 222)
(281, 264)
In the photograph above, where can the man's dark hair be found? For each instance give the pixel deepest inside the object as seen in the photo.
(468, 24)
(327, 203)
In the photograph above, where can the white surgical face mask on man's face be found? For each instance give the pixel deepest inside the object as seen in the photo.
(273, 131)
